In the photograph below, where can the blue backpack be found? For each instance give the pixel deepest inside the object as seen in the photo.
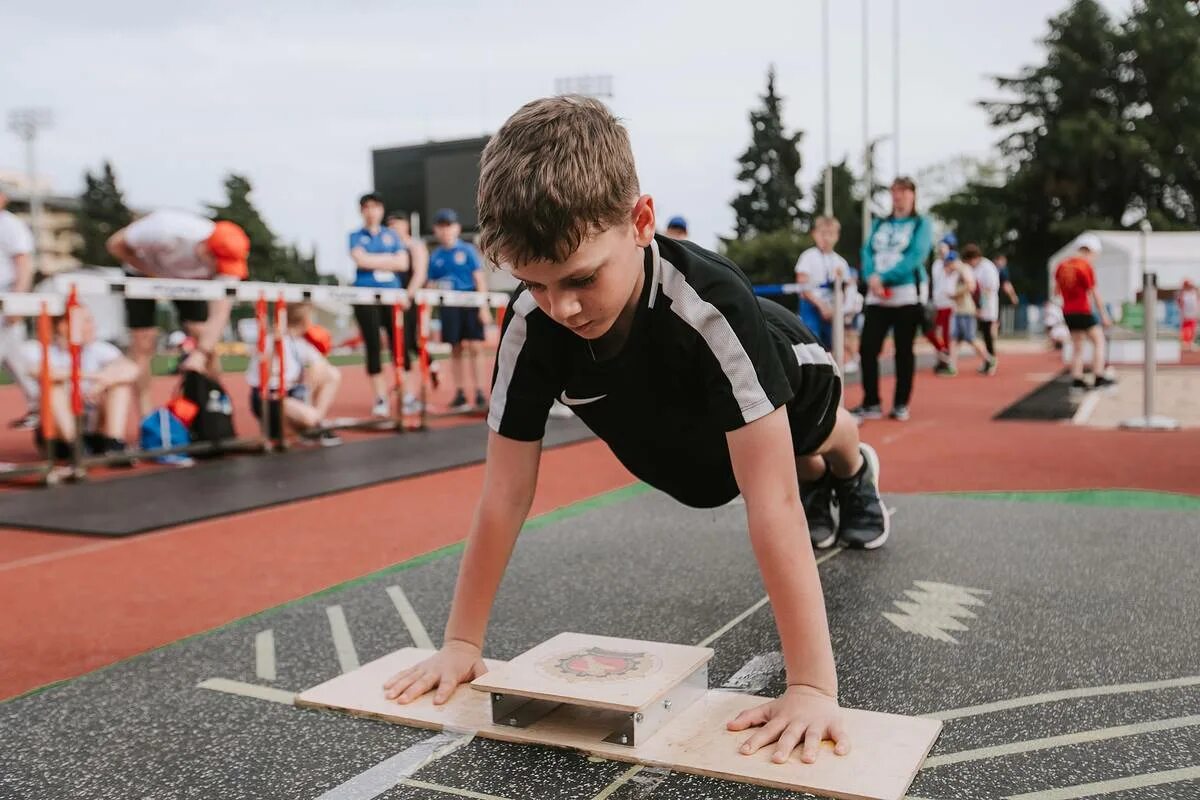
(162, 429)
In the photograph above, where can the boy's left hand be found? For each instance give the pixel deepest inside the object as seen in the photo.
(802, 712)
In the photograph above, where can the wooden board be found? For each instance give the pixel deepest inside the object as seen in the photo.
(597, 671)
(887, 749)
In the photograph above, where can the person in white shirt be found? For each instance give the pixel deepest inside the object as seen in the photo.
(310, 382)
(106, 381)
(987, 278)
(16, 275)
(179, 244)
(816, 270)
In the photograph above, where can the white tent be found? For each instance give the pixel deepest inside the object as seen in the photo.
(1173, 255)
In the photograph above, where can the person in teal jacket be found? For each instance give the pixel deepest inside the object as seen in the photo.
(893, 266)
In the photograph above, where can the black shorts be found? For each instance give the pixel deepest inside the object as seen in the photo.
(139, 312)
(812, 411)
(411, 343)
(1080, 322)
(298, 392)
(461, 325)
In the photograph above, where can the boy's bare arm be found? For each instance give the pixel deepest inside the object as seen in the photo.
(508, 486)
(764, 465)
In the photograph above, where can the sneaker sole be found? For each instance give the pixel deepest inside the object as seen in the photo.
(826, 543)
(872, 459)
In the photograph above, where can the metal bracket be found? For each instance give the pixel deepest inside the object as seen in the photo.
(519, 712)
(636, 728)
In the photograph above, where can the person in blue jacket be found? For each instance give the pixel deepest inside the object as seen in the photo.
(893, 266)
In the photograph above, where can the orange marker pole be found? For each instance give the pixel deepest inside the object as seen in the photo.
(264, 367)
(49, 429)
(75, 347)
(280, 332)
(397, 349)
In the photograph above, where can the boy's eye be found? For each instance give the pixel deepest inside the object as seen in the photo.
(581, 282)
(534, 287)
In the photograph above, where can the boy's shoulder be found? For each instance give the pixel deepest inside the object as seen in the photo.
(702, 270)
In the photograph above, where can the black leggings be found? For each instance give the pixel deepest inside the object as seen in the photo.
(985, 330)
(905, 320)
(370, 320)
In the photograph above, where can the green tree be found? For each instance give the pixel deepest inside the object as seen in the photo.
(847, 207)
(772, 199)
(102, 212)
(769, 257)
(269, 260)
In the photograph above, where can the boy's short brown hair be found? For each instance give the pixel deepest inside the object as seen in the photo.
(824, 220)
(560, 169)
(971, 252)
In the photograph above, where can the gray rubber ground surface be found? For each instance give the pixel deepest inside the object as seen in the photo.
(1070, 598)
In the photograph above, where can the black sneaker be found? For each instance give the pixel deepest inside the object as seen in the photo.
(1103, 382)
(480, 400)
(868, 412)
(863, 518)
(117, 447)
(30, 421)
(817, 498)
(899, 413)
(1079, 386)
(459, 403)
(329, 439)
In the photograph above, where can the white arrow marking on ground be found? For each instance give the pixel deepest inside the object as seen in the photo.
(248, 690)
(1108, 787)
(264, 655)
(409, 616)
(343, 643)
(935, 609)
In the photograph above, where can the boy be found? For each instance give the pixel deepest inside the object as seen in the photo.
(987, 279)
(310, 381)
(816, 270)
(379, 257)
(106, 381)
(413, 280)
(699, 388)
(1075, 282)
(946, 277)
(178, 244)
(456, 265)
(677, 228)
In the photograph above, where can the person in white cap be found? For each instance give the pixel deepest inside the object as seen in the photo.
(1075, 281)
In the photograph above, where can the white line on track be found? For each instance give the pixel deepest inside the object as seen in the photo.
(728, 626)
(619, 782)
(409, 616)
(1065, 694)
(755, 674)
(1097, 735)
(342, 641)
(437, 787)
(248, 690)
(264, 655)
(1108, 787)
(1086, 407)
(389, 772)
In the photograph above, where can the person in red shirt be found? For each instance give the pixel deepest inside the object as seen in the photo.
(1075, 282)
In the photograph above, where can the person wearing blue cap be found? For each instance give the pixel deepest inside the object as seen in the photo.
(456, 265)
(677, 228)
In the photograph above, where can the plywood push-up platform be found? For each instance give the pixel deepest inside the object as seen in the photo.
(641, 702)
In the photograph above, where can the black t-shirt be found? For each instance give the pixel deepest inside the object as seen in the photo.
(699, 361)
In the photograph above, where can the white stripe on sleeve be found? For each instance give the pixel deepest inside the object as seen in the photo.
(506, 359)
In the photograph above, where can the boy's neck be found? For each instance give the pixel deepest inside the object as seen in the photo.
(614, 339)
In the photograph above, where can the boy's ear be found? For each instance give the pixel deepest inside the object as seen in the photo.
(643, 220)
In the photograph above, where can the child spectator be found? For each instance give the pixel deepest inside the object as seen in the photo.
(677, 228)
(947, 275)
(412, 279)
(1075, 281)
(816, 270)
(987, 279)
(1188, 300)
(310, 381)
(456, 265)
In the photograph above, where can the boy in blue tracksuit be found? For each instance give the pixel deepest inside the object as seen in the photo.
(893, 266)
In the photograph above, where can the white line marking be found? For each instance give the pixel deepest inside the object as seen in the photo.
(409, 616)
(1098, 735)
(1065, 694)
(342, 641)
(619, 782)
(1107, 787)
(264, 655)
(248, 690)
(1086, 407)
(437, 787)
(755, 674)
(389, 772)
(728, 626)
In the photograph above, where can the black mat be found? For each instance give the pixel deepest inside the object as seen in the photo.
(1051, 401)
(141, 503)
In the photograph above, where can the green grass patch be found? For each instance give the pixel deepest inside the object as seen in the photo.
(1103, 498)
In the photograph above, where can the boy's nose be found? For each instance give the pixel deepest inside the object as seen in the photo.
(564, 307)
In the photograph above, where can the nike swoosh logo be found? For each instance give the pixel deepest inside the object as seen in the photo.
(579, 401)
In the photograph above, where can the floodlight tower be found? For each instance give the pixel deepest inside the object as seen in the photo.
(26, 123)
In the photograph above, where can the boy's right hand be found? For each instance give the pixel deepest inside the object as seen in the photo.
(457, 662)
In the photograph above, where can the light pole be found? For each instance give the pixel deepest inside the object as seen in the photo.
(825, 84)
(895, 88)
(1149, 421)
(26, 123)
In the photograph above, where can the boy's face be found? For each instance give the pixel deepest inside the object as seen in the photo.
(86, 323)
(825, 237)
(447, 233)
(372, 214)
(399, 226)
(589, 291)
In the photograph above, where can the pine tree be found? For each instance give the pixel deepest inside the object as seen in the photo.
(772, 199)
(102, 212)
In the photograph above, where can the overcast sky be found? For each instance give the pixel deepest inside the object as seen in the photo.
(295, 95)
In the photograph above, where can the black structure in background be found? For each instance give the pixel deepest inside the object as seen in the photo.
(426, 177)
